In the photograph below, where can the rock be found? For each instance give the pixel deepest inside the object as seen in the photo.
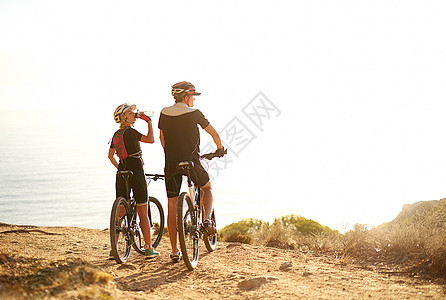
(419, 207)
(286, 266)
(235, 244)
(255, 283)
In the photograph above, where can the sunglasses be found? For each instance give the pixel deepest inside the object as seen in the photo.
(177, 91)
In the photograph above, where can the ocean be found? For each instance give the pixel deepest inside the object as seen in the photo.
(55, 172)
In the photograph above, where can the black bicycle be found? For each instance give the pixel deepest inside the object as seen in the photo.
(125, 231)
(190, 218)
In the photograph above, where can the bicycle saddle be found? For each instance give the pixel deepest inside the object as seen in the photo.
(184, 165)
(125, 173)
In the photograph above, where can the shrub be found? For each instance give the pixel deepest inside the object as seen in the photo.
(288, 232)
(301, 225)
(276, 235)
(281, 235)
(241, 231)
(357, 243)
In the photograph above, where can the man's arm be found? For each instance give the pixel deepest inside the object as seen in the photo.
(162, 138)
(209, 129)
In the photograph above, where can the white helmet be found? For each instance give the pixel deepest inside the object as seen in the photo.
(122, 109)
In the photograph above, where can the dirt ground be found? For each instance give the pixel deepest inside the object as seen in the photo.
(72, 263)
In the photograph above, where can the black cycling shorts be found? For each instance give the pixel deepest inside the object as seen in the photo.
(137, 184)
(174, 177)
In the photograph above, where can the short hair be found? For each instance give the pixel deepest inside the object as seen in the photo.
(179, 97)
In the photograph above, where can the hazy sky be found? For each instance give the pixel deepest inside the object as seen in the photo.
(360, 86)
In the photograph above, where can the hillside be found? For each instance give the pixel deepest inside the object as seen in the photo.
(71, 263)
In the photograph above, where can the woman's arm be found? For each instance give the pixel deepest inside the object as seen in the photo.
(111, 157)
(149, 137)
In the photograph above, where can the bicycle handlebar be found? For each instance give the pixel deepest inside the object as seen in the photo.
(209, 156)
(155, 176)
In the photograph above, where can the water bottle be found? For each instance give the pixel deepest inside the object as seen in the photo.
(148, 113)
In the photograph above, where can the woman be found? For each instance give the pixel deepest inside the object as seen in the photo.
(125, 144)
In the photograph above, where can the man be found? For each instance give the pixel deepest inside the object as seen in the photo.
(180, 138)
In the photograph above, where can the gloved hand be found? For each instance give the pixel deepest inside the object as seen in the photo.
(144, 117)
(221, 152)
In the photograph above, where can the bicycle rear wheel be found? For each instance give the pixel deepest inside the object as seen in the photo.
(156, 218)
(188, 234)
(210, 241)
(120, 236)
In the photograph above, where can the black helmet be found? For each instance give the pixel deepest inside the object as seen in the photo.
(184, 87)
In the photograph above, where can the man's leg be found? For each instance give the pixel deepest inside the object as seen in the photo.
(208, 200)
(172, 222)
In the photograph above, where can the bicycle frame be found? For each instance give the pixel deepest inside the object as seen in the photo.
(196, 195)
(124, 219)
(190, 218)
(132, 217)
(192, 190)
(149, 178)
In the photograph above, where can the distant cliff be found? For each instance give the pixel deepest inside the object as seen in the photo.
(410, 210)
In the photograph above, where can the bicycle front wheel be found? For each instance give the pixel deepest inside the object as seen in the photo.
(120, 235)
(188, 234)
(210, 241)
(156, 219)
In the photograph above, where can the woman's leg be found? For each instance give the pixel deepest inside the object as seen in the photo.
(145, 224)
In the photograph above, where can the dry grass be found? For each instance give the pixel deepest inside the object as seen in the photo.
(415, 245)
(39, 279)
(280, 236)
(419, 241)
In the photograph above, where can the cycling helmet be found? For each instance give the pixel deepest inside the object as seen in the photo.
(184, 87)
(122, 109)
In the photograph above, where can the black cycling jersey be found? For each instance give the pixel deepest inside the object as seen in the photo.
(181, 134)
(137, 182)
(179, 124)
(131, 141)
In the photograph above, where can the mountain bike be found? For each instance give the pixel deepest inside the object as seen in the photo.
(190, 219)
(125, 231)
